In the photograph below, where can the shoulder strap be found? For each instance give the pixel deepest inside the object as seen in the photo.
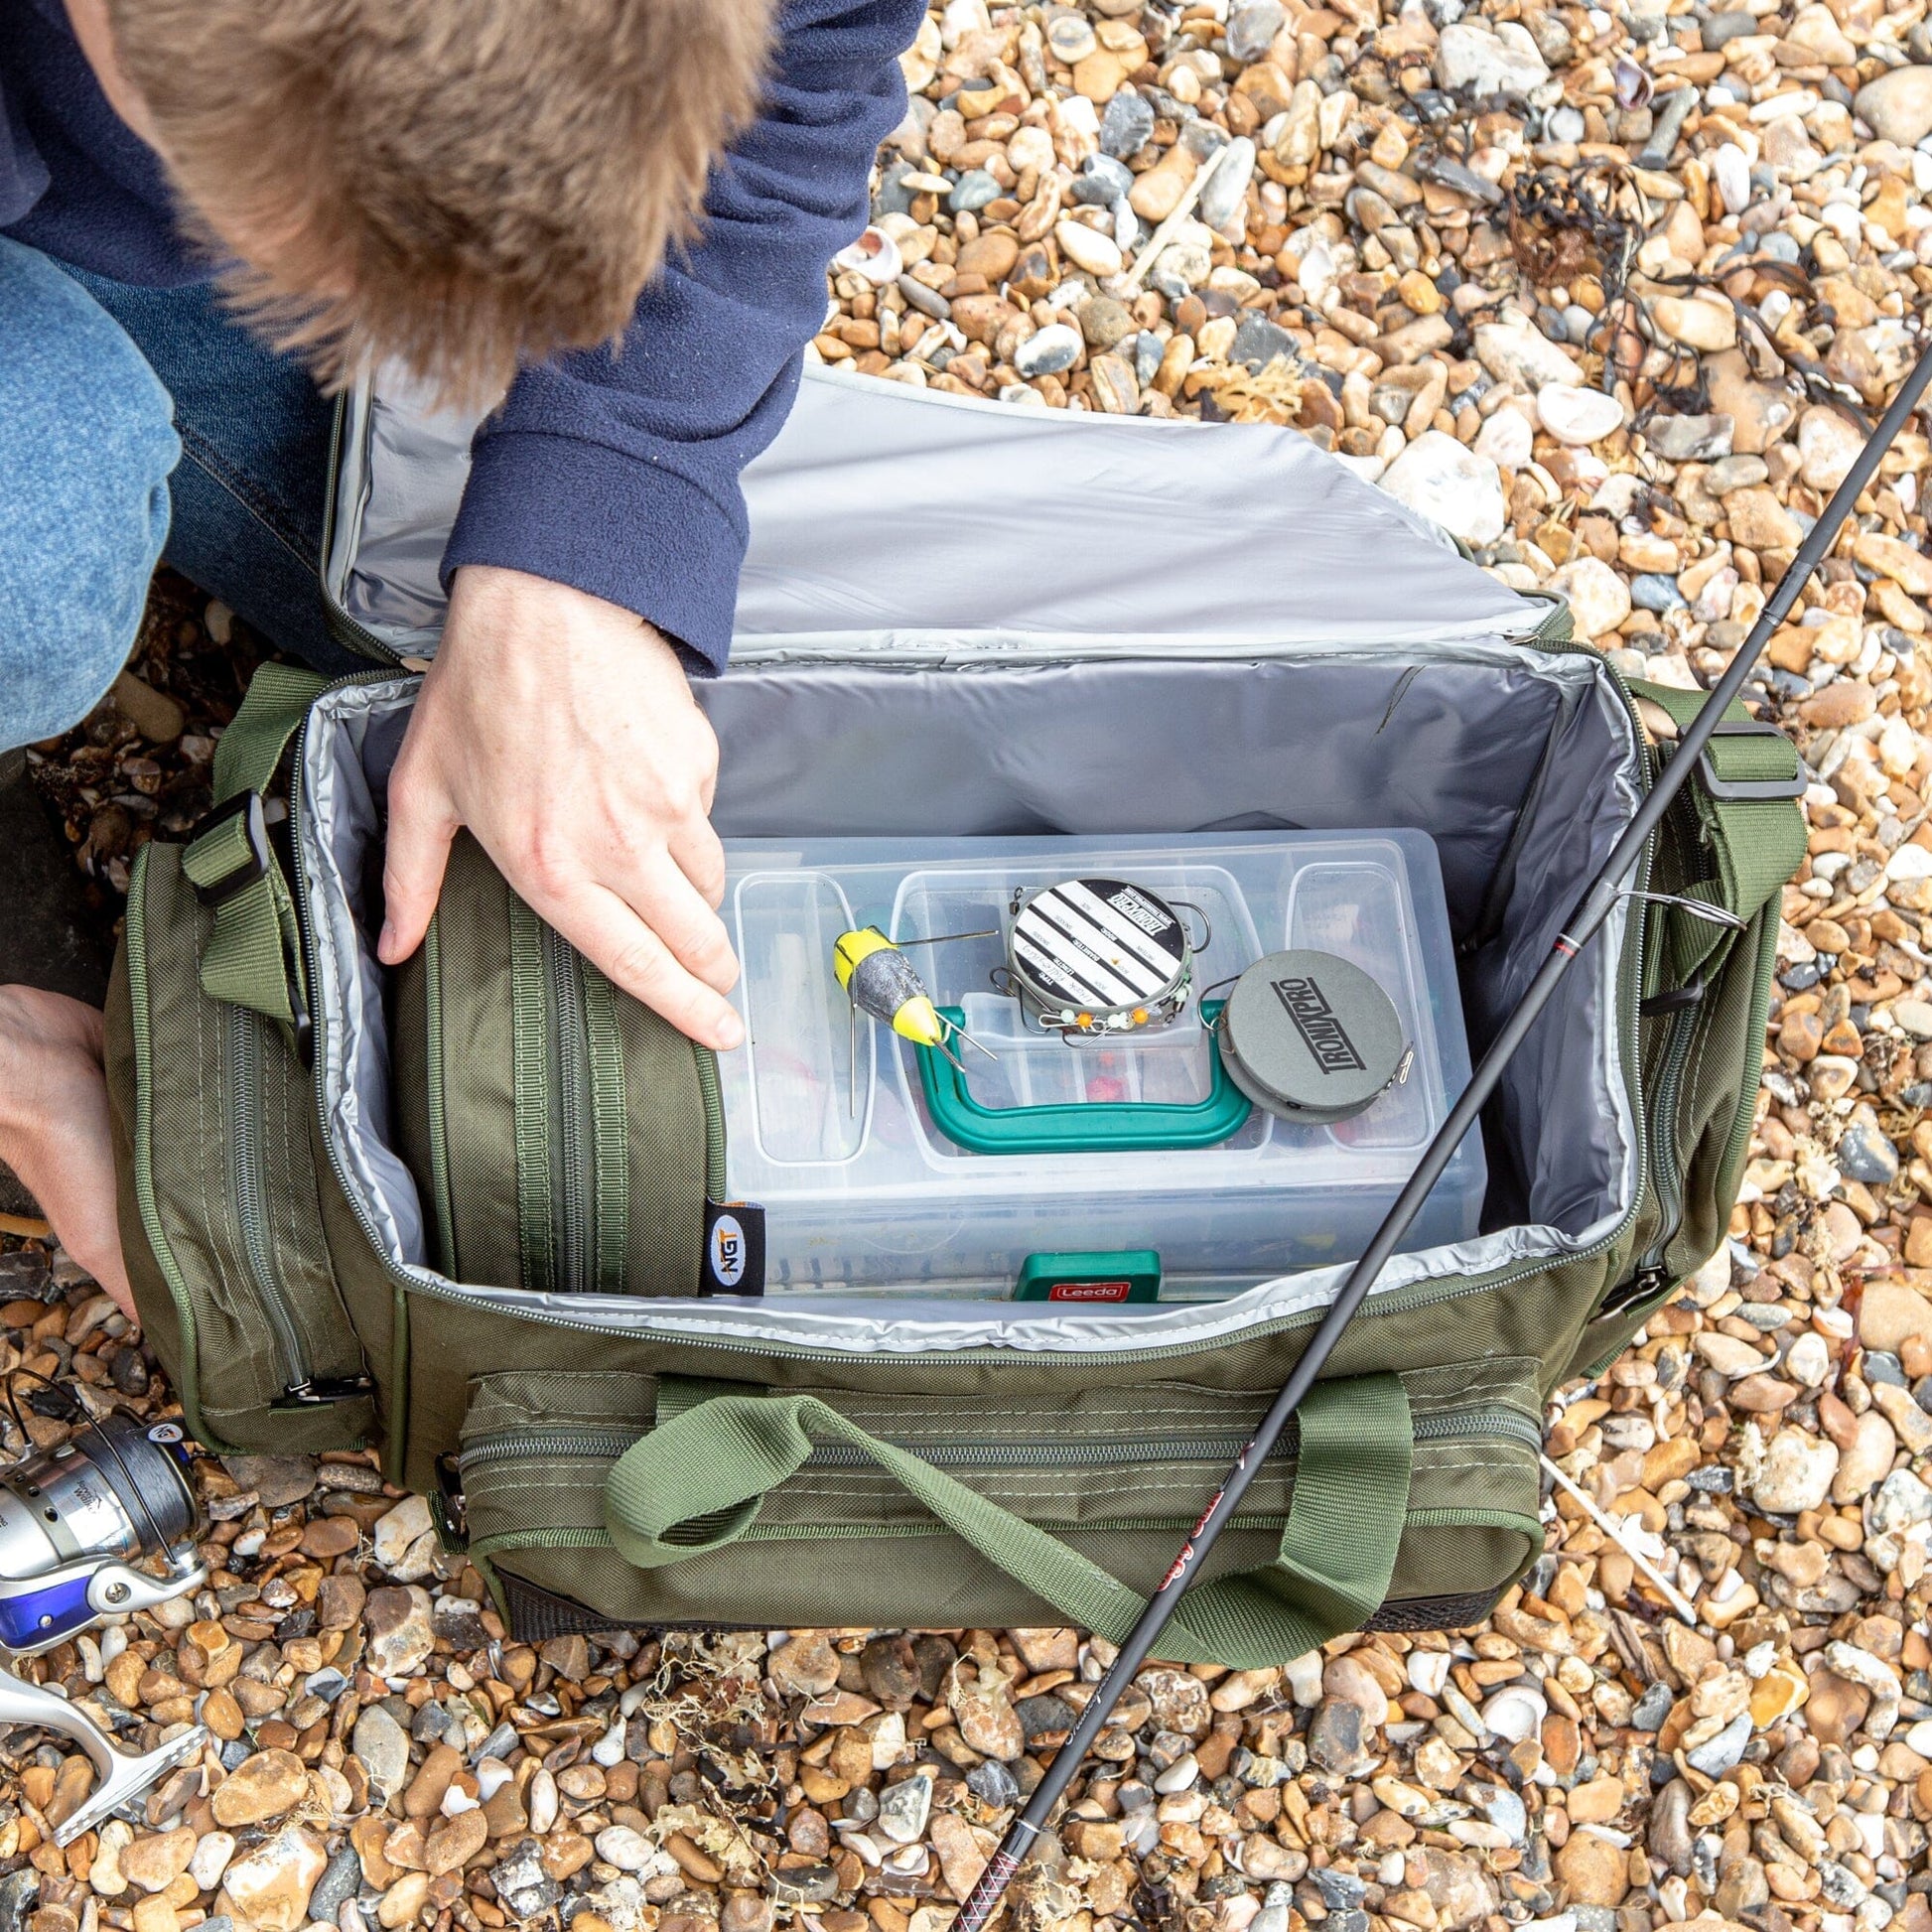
(696, 1483)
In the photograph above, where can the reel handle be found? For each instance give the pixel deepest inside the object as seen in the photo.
(118, 1777)
(38, 1612)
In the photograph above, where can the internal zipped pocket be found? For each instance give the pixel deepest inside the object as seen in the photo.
(565, 1137)
(1121, 1475)
(225, 1241)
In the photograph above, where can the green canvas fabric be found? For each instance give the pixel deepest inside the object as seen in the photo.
(713, 1464)
(203, 1274)
(474, 1039)
(546, 1481)
(1753, 845)
(454, 1007)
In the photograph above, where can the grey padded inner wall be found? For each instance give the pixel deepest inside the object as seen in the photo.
(1446, 739)
(888, 520)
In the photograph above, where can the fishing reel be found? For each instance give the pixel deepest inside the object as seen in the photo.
(75, 1519)
(75, 1522)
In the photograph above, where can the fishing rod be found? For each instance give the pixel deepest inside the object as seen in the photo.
(1592, 911)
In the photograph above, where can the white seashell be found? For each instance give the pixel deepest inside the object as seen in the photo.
(875, 256)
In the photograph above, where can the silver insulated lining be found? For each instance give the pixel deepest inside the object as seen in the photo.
(1521, 763)
(889, 521)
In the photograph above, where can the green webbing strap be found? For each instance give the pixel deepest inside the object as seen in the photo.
(254, 950)
(245, 757)
(1754, 844)
(695, 1485)
(1757, 843)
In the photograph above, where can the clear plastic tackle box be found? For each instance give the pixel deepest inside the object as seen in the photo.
(862, 1191)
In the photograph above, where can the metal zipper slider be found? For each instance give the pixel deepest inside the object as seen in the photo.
(324, 1390)
(1645, 1282)
(449, 1502)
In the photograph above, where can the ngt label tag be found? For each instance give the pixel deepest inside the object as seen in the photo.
(734, 1248)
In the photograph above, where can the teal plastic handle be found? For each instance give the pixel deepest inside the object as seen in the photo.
(1102, 1126)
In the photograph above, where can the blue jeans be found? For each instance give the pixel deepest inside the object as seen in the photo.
(136, 425)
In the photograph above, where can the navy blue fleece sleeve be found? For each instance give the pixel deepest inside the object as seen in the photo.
(616, 470)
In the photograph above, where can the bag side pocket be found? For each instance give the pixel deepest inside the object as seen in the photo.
(221, 1214)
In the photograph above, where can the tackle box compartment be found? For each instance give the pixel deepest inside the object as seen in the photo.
(862, 1191)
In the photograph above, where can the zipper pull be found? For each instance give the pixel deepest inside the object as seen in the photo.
(449, 1502)
(1645, 1282)
(327, 1389)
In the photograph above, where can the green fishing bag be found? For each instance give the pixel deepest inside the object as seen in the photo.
(459, 1211)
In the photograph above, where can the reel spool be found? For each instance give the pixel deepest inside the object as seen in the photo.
(1312, 1038)
(74, 1519)
(1093, 956)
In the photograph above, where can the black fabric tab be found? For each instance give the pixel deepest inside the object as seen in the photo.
(734, 1248)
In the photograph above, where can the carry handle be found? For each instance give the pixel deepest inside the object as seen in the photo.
(252, 956)
(695, 1485)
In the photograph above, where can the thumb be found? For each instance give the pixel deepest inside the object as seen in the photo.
(420, 832)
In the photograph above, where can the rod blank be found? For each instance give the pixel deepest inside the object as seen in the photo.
(1592, 910)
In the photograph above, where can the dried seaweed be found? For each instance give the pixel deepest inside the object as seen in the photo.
(1566, 224)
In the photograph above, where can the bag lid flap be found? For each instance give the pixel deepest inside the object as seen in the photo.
(898, 523)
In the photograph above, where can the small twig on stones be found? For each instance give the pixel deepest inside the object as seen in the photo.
(1674, 1596)
(1182, 209)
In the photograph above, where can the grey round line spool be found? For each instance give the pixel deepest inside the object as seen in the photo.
(1309, 1038)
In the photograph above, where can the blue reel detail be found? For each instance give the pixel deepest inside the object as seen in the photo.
(33, 1618)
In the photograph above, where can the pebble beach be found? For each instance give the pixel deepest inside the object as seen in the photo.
(1613, 296)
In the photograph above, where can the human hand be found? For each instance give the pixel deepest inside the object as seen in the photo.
(562, 732)
(54, 1130)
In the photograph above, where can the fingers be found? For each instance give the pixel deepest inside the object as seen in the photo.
(96, 1246)
(617, 940)
(682, 917)
(56, 1129)
(700, 857)
(422, 822)
(80, 1202)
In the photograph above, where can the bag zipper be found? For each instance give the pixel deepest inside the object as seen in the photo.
(251, 1205)
(300, 1388)
(1762, 973)
(439, 1120)
(1426, 1294)
(1650, 1273)
(1219, 1448)
(573, 1149)
(715, 1184)
(1653, 1272)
